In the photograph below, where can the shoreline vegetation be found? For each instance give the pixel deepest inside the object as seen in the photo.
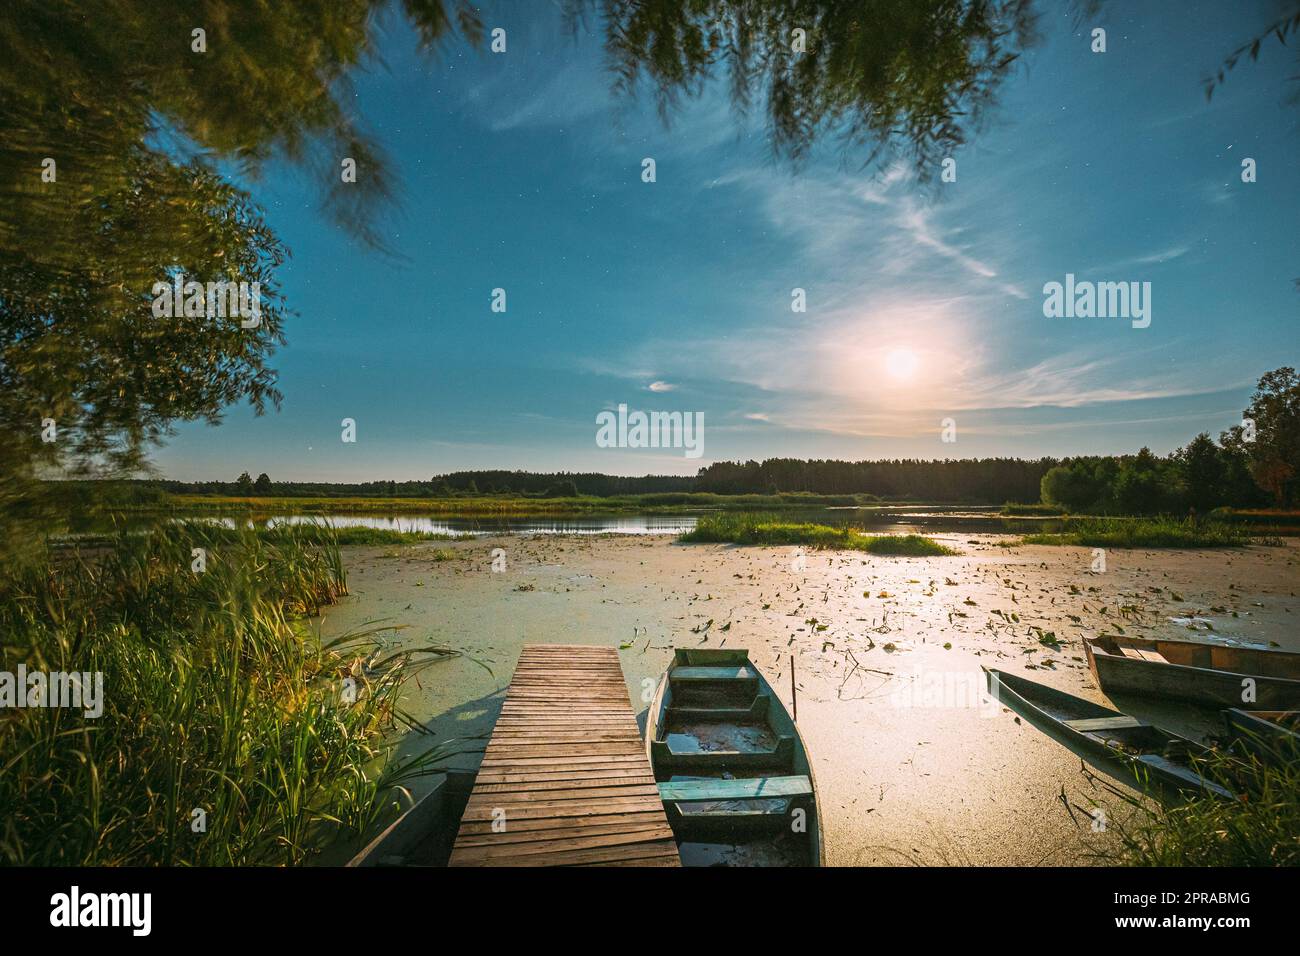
(234, 737)
(123, 498)
(761, 529)
(476, 505)
(1147, 533)
(1260, 828)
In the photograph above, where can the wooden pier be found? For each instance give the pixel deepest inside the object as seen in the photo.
(565, 780)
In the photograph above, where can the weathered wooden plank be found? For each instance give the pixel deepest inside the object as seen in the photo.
(565, 779)
(563, 783)
(475, 827)
(475, 854)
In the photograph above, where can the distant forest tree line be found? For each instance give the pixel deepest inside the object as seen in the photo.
(1254, 464)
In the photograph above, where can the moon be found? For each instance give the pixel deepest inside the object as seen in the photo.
(901, 364)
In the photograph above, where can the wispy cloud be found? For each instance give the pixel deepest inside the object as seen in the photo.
(834, 376)
(567, 96)
(878, 226)
(1159, 257)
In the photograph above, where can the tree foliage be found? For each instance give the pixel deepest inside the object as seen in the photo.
(116, 137)
(916, 75)
(1273, 457)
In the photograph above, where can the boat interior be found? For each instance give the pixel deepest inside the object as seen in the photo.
(1126, 739)
(1109, 727)
(1206, 654)
(732, 773)
(424, 834)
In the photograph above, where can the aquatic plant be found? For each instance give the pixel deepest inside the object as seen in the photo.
(758, 528)
(229, 734)
(1260, 828)
(1144, 533)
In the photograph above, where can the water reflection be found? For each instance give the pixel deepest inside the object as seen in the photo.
(618, 524)
(890, 520)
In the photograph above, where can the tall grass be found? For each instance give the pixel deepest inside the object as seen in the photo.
(1018, 509)
(1261, 828)
(756, 528)
(498, 506)
(227, 736)
(1144, 533)
(321, 531)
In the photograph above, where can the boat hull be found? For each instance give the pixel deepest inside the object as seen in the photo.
(1118, 674)
(743, 830)
(1166, 776)
(1273, 736)
(424, 834)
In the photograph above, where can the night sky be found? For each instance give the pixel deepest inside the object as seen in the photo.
(522, 171)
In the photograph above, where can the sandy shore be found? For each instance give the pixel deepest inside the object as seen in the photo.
(910, 765)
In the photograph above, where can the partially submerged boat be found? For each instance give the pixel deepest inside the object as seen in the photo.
(734, 776)
(1133, 752)
(1219, 674)
(424, 834)
(1272, 735)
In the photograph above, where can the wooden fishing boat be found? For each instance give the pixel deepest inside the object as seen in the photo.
(1219, 674)
(1272, 735)
(424, 834)
(1133, 752)
(733, 773)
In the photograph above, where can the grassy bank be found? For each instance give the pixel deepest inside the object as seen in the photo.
(1260, 829)
(771, 530)
(322, 533)
(228, 735)
(1144, 533)
(1017, 510)
(498, 506)
(344, 536)
(318, 533)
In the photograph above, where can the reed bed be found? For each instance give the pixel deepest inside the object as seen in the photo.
(1260, 828)
(768, 529)
(229, 734)
(497, 506)
(1144, 533)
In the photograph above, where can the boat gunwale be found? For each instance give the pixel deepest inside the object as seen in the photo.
(656, 716)
(1101, 647)
(1158, 780)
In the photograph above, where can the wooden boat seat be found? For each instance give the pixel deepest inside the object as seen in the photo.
(733, 672)
(687, 791)
(1122, 722)
(780, 757)
(1142, 654)
(754, 713)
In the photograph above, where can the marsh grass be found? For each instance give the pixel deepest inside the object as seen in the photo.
(1017, 509)
(766, 529)
(321, 532)
(1144, 533)
(498, 506)
(217, 697)
(1260, 828)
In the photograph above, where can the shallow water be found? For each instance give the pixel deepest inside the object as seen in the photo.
(910, 764)
(617, 524)
(891, 520)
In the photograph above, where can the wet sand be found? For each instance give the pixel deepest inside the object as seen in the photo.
(911, 766)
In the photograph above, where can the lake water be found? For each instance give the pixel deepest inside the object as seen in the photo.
(617, 524)
(886, 520)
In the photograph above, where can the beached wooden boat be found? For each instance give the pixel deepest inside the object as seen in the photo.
(1133, 752)
(1219, 674)
(733, 773)
(1272, 735)
(424, 834)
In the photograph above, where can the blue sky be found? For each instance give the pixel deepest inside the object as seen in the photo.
(522, 171)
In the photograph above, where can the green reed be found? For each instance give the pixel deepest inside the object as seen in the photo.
(766, 529)
(217, 698)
